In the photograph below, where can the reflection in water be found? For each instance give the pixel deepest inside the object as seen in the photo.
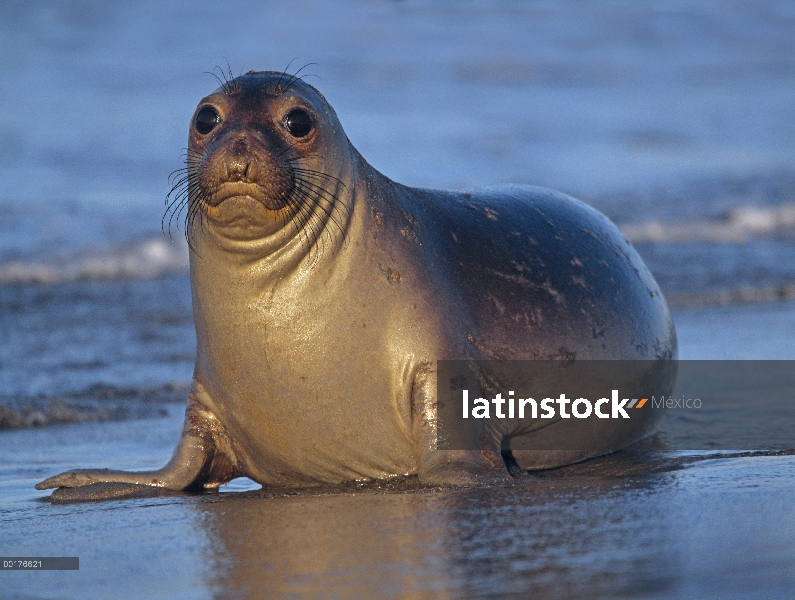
(324, 546)
(554, 535)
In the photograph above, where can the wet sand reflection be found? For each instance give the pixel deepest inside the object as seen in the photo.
(584, 531)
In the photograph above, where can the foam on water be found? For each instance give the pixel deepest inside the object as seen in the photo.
(151, 257)
(740, 225)
(745, 255)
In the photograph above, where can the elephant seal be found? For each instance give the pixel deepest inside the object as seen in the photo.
(324, 293)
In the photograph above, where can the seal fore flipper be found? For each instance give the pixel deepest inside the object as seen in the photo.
(203, 458)
(448, 467)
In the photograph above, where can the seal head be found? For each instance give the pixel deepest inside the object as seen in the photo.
(259, 161)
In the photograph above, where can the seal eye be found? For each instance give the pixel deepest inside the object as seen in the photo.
(207, 119)
(298, 123)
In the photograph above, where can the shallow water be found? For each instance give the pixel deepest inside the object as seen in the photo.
(675, 119)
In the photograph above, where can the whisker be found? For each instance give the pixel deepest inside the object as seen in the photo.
(319, 175)
(316, 193)
(294, 77)
(278, 86)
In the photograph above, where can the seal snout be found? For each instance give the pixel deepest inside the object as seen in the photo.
(237, 163)
(241, 165)
(237, 169)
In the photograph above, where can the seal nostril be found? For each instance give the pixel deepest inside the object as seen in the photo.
(237, 169)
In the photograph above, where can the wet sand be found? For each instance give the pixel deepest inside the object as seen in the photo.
(640, 523)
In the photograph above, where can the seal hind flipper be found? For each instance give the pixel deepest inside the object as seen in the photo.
(203, 459)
